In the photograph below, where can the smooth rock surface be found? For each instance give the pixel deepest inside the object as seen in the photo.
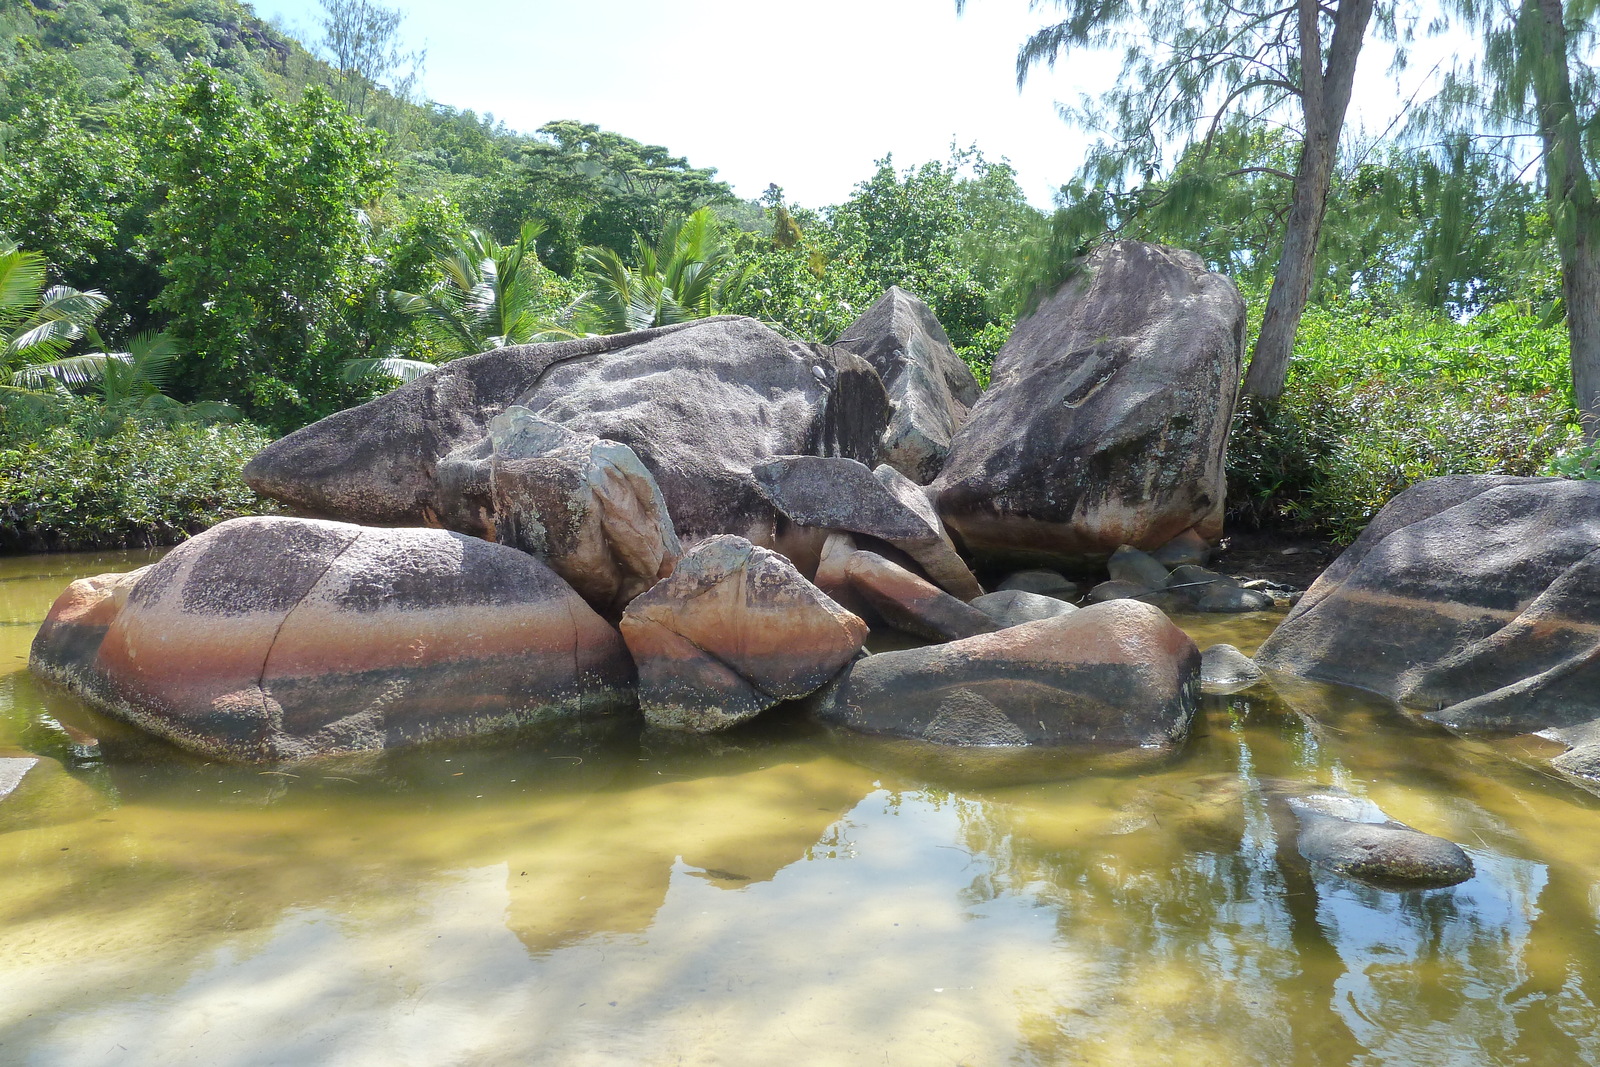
(279, 638)
(910, 603)
(734, 630)
(1013, 607)
(931, 387)
(1128, 564)
(1224, 669)
(835, 493)
(1353, 837)
(70, 636)
(1109, 676)
(1045, 583)
(1106, 416)
(699, 403)
(1474, 598)
(1187, 548)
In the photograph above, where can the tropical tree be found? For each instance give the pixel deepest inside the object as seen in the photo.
(488, 296)
(1193, 68)
(1537, 79)
(688, 274)
(125, 383)
(38, 322)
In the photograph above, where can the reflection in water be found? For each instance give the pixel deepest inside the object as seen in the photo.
(776, 897)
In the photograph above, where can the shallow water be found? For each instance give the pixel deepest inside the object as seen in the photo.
(772, 898)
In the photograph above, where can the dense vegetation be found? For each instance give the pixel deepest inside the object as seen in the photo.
(216, 234)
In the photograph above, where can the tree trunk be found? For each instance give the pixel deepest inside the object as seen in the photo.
(1324, 97)
(1542, 29)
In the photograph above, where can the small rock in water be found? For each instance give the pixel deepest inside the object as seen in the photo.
(1013, 607)
(1353, 837)
(1224, 669)
(1045, 583)
(1130, 565)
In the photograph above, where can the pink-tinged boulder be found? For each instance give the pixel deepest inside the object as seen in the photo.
(1472, 598)
(910, 603)
(1111, 676)
(835, 493)
(1106, 418)
(931, 387)
(587, 507)
(279, 638)
(733, 631)
(69, 639)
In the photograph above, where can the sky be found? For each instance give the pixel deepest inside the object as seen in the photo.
(807, 95)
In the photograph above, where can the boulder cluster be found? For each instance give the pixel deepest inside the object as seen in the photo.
(701, 522)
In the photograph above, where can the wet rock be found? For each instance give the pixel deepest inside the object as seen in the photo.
(1115, 590)
(1129, 565)
(930, 386)
(589, 508)
(910, 603)
(1109, 676)
(1045, 583)
(1187, 548)
(733, 631)
(699, 403)
(1224, 669)
(37, 791)
(69, 638)
(1203, 590)
(279, 638)
(1106, 417)
(1474, 598)
(1013, 607)
(840, 494)
(1582, 761)
(1353, 837)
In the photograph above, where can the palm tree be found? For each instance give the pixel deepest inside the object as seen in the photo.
(491, 295)
(126, 383)
(688, 275)
(38, 323)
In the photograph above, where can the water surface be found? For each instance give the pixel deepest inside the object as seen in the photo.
(774, 897)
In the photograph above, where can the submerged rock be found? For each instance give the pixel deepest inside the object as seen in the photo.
(909, 603)
(699, 403)
(1106, 417)
(38, 791)
(1209, 591)
(841, 494)
(1354, 838)
(1224, 669)
(279, 638)
(931, 388)
(1110, 676)
(1474, 598)
(733, 631)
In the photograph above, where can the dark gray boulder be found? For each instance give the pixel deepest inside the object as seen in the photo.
(1106, 417)
(1045, 583)
(1112, 676)
(1198, 589)
(1128, 564)
(1352, 837)
(1013, 607)
(700, 403)
(1473, 598)
(835, 493)
(931, 387)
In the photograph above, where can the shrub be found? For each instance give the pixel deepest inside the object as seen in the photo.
(85, 484)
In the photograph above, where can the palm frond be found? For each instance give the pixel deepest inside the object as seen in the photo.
(406, 370)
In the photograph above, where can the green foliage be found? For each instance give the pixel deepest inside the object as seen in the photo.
(260, 240)
(1581, 462)
(75, 486)
(688, 274)
(38, 324)
(1378, 401)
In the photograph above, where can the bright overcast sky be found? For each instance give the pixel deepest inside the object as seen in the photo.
(804, 94)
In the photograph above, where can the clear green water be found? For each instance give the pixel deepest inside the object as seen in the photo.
(774, 899)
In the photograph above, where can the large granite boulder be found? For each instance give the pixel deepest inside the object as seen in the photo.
(1111, 676)
(906, 602)
(1106, 417)
(1474, 598)
(931, 387)
(734, 630)
(589, 508)
(279, 638)
(700, 403)
(835, 493)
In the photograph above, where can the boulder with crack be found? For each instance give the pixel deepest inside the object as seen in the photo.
(931, 387)
(735, 630)
(279, 638)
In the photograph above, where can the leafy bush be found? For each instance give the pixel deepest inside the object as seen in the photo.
(1379, 400)
(84, 484)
